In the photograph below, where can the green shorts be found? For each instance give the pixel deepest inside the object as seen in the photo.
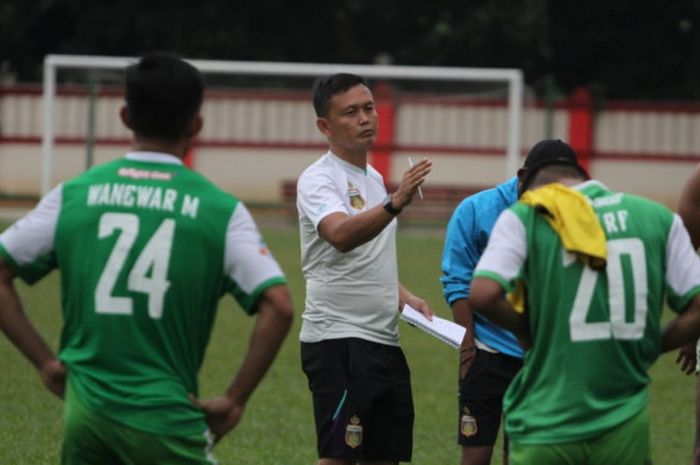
(626, 444)
(91, 439)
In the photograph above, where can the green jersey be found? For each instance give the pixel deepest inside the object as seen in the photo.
(146, 248)
(595, 333)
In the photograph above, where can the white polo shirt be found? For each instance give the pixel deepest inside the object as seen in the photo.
(352, 294)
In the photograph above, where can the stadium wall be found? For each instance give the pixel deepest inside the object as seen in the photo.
(254, 140)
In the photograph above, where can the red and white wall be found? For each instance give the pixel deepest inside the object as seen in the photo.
(254, 140)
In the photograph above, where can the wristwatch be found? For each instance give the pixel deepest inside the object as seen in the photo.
(389, 207)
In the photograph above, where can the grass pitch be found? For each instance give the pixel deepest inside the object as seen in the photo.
(277, 428)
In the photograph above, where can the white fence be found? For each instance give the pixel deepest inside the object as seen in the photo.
(252, 141)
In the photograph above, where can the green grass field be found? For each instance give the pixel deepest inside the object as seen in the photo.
(277, 428)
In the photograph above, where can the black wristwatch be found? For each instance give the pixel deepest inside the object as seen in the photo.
(389, 207)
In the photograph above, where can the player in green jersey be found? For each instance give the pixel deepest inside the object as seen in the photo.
(146, 248)
(593, 330)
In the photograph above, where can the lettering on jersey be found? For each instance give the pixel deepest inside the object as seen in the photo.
(607, 201)
(144, 174)
(146, 197)
(190, 206)
(615, 221)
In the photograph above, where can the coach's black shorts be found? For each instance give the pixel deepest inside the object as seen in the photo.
(481, 397)
(362, 399)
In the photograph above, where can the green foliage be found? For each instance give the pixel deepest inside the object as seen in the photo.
(277, 428)
(626, 48)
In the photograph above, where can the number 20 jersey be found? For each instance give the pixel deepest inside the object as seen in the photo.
(146, 248)
(595, 333)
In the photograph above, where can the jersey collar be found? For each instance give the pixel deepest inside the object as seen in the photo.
(155, 157)
(348, 166)
(590, 182)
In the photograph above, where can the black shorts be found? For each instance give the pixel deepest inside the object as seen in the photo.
(481, 397)
(362, 399)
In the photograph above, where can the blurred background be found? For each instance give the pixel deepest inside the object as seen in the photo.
(619, 80)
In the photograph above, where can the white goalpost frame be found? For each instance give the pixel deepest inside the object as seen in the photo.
(513, 77)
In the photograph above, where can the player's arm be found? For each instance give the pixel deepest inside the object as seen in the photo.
(275, 315)
(682, 276)
(488, 296)
(345, 232)
(463, 314)
(21, 332)
(682, 329)
(499, 265)
(459, 258)
(689, 210)
(264, 292)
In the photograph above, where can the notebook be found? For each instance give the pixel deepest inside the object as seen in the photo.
(445, 330)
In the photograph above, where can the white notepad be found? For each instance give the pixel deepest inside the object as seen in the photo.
(445, 330)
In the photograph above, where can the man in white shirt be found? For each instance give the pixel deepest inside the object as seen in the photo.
(357, 373)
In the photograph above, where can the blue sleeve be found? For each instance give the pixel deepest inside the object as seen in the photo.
(461, 252)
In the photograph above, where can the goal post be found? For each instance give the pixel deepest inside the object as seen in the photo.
(512, 78)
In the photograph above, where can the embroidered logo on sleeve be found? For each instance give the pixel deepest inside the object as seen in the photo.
(356, 200)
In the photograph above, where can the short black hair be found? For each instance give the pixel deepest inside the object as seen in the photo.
(163, 94)
(326, 87)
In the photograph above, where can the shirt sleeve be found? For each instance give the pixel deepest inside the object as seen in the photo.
(460, 253)
(318, 197)
(682, 267)
(506, 251)
(248, 262)
(28, 245)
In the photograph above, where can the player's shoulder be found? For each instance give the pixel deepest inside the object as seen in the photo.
(322, 164)
(206, 188)
(322, 170)
(96, 171)
(654, 212)
(492, 200)
(603, 199)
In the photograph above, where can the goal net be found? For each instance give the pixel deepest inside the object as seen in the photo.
(259, 126)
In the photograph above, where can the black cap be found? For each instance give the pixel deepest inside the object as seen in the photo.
(549, 152)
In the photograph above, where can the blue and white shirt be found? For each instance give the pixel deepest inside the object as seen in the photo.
(467, 236)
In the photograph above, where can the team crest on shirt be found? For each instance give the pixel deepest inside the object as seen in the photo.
(353, 432)
(356, 200)
(467, 426)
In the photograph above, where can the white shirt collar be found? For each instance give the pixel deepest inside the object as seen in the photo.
(347, 165)
(156, 157)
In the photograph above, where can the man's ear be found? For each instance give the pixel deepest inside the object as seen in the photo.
(323, 126)
(195, 126)
(521, 176)
(124, 116)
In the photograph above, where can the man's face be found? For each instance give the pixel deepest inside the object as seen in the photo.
(352, 122)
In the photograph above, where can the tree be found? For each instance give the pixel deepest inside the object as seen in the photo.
(643, 48)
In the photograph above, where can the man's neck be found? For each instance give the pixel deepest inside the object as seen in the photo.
(176, 148)
(357, 158)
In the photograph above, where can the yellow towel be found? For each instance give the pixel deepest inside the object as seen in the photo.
(517, 296)
(571, 216)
